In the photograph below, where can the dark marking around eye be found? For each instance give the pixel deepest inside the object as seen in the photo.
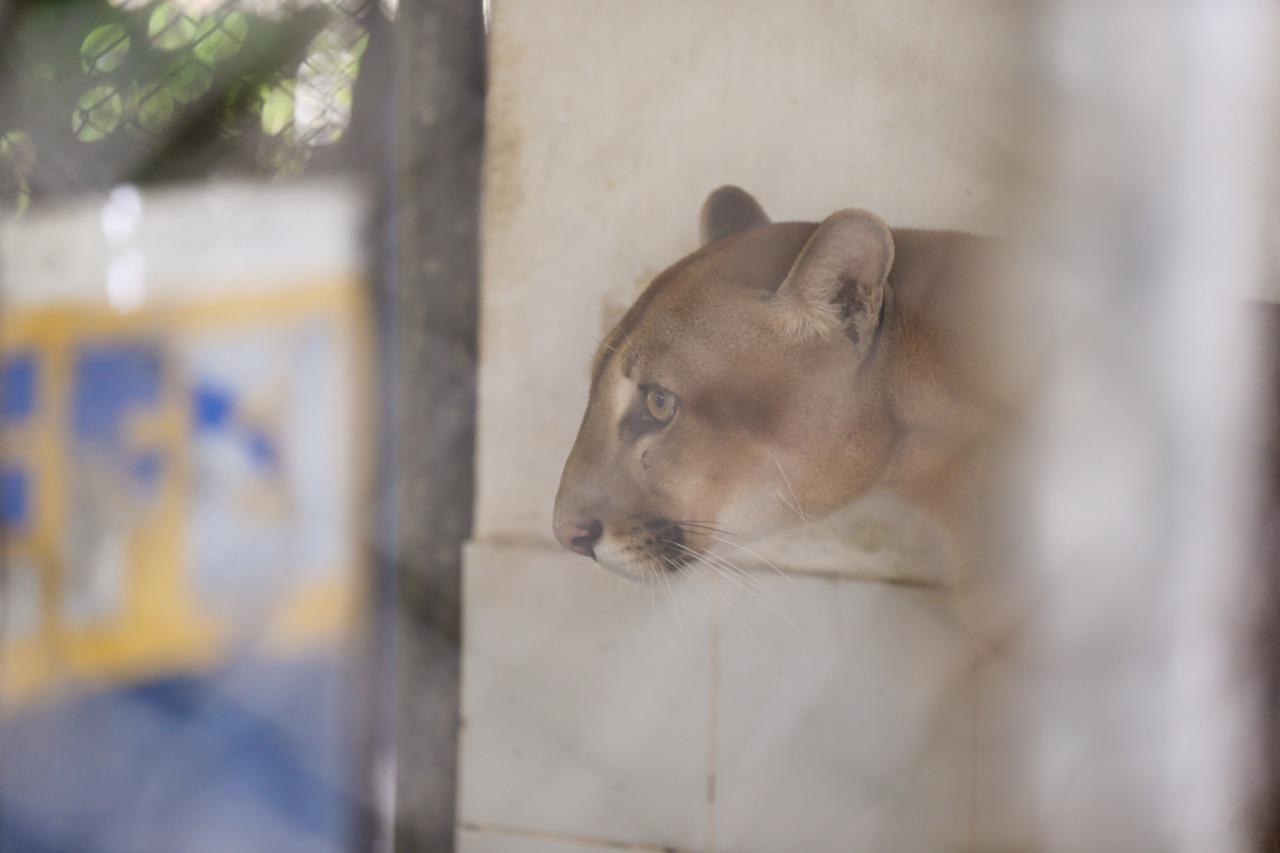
(637, 422)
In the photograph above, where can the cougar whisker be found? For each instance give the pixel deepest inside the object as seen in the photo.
(742, 579)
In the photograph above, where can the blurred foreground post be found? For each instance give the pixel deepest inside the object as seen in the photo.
(440, 72)
(1155, 122)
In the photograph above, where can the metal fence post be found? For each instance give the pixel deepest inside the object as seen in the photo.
(441, 77)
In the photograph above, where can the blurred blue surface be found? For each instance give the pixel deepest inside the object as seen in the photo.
(253, 757)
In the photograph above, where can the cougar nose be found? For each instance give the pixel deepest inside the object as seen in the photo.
(580, 538)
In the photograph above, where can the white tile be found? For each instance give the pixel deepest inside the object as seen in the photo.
(879, 537)
(586, 701)
(848, 729)
(477, 841)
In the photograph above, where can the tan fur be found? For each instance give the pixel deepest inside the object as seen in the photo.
(804, 376)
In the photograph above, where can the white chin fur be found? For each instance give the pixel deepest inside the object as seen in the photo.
(621, 563)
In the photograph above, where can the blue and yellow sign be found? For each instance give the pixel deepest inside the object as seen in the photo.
(183, 436)
(176, 483)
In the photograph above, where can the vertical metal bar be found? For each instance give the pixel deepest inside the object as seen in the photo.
(441, 78)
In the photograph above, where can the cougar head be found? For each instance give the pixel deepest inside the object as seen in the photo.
(742, 392)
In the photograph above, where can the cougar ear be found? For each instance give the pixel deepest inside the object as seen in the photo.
(727, 211)
(837, 281)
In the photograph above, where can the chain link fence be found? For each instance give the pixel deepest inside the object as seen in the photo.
(177, 89)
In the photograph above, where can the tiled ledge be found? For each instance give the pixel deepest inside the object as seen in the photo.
(877, 540)
(586, 702)
(474, 838)
(716, 712)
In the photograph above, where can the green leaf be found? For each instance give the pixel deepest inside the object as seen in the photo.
(24, 198)
(151, 108)
(187, 80)
(170, 28)
(97, 113)
(18, 152)
(277, 109)
(104, 49)
(218, 39)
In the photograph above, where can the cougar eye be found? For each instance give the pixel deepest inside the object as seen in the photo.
(661, 404)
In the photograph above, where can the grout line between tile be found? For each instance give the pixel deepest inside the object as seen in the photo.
(534, 543)
(713, 721)
(975, 709)
(565, 838)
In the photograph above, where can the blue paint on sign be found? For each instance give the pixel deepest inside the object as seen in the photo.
(18, 379)
(15, 498)
(110, 381)
(211, 407)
